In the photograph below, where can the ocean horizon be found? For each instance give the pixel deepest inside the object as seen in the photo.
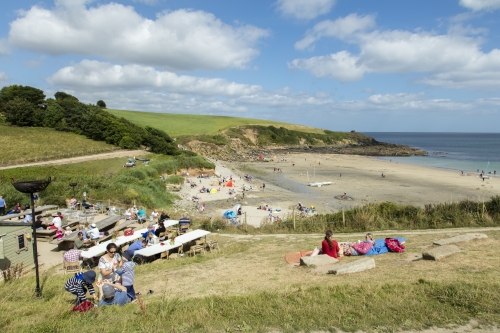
(468, 152)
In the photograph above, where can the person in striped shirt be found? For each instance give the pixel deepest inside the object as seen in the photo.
(127, 273)
(79, 284)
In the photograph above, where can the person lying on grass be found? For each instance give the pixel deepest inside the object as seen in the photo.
(79, 284)
(112, 294)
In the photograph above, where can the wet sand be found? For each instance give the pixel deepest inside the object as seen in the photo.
(359, 177)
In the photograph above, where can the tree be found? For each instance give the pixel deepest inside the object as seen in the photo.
(32, 95)
(62, 95)
(101, 104)
(21, 112)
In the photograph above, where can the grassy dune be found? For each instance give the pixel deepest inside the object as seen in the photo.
(187, 124)
(248, 287)
(29, 144)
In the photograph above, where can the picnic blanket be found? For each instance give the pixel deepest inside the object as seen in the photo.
(294, 257)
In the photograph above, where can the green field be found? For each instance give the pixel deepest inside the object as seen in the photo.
(30, 144)
(188, 124)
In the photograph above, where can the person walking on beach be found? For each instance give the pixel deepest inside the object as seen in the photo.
(263, 186)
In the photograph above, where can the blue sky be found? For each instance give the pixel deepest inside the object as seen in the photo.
(380, 65)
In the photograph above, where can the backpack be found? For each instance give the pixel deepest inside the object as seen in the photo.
(83, 307)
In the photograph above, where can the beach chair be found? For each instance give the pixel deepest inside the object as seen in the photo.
(72, 267)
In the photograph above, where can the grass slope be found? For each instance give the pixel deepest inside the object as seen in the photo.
(30, 144)
(248, 287)
(187, 124)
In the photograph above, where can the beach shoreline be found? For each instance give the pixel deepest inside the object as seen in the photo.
(360, 177)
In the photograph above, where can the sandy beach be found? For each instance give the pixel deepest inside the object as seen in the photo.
(359, 177)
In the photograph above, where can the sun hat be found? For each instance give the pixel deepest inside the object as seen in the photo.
(128, 255)
(89, 276)
(108, 291)
(93, 225)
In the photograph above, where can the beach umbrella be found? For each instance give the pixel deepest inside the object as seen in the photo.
(235, 208)
(229, 183)
(214, 191)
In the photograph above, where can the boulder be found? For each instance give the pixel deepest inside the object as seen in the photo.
(354, 267)
(441, 252)
(319, 260)
(460, 238)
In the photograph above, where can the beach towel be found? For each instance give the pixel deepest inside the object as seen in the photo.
(294, 257)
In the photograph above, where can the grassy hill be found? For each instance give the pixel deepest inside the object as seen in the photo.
(30, 144)
(189, 124)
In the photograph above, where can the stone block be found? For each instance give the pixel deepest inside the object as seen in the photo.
(460, 238)
(319, 260)
(354, 267)
(441, 252)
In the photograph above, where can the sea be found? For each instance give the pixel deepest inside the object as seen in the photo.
(468, 152)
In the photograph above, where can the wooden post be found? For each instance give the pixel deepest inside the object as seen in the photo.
(246, 226)
(343, 216)
(293, 212)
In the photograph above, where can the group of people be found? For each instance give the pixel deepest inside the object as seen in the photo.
(115, 280)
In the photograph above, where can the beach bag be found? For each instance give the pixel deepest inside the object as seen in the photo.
(363, 247)
(394, 245)
(129, 232)
(83, 307)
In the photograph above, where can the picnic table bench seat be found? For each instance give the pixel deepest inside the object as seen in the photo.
(67, 241)
(38, 210)
(45, 235)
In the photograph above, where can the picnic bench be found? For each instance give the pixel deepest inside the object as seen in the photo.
(38, 210)
(67, 241)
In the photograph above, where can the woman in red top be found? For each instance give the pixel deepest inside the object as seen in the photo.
(330, 246)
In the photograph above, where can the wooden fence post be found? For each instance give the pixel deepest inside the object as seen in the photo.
(293, 212)
(343, 216)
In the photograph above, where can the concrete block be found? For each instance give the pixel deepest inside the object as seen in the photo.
(460, 238)
(354, 267)
(319, 260)
(441, 252)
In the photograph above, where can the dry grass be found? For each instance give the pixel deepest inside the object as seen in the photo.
(248, 286)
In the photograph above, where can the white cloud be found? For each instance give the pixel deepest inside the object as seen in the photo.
(147, 2)
(341, 66)
(4, 47)
(95, 75)
(452, 60)
(178, 40)
(4, 77)
(477, 5)
(305, 9)
(341, 28)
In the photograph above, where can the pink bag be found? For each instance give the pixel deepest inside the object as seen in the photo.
(363, 247)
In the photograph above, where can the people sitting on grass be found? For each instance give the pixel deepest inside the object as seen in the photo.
(112, 294)
(108, 263)
(329, 246)
(127, 274)
(79, 284)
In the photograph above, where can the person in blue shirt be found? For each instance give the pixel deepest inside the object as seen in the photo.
(112, 294)
(141, 215)
(2, 206)
(137, 245)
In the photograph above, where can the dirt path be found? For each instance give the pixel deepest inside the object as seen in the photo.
(78, 159)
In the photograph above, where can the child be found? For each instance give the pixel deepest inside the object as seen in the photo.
(78, 285)
(59, 234)
(369, 238)
(68, 231)
(127, 274)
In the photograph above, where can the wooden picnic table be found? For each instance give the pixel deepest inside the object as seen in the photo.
(67, 241)
(39, 209)
(179, 241)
